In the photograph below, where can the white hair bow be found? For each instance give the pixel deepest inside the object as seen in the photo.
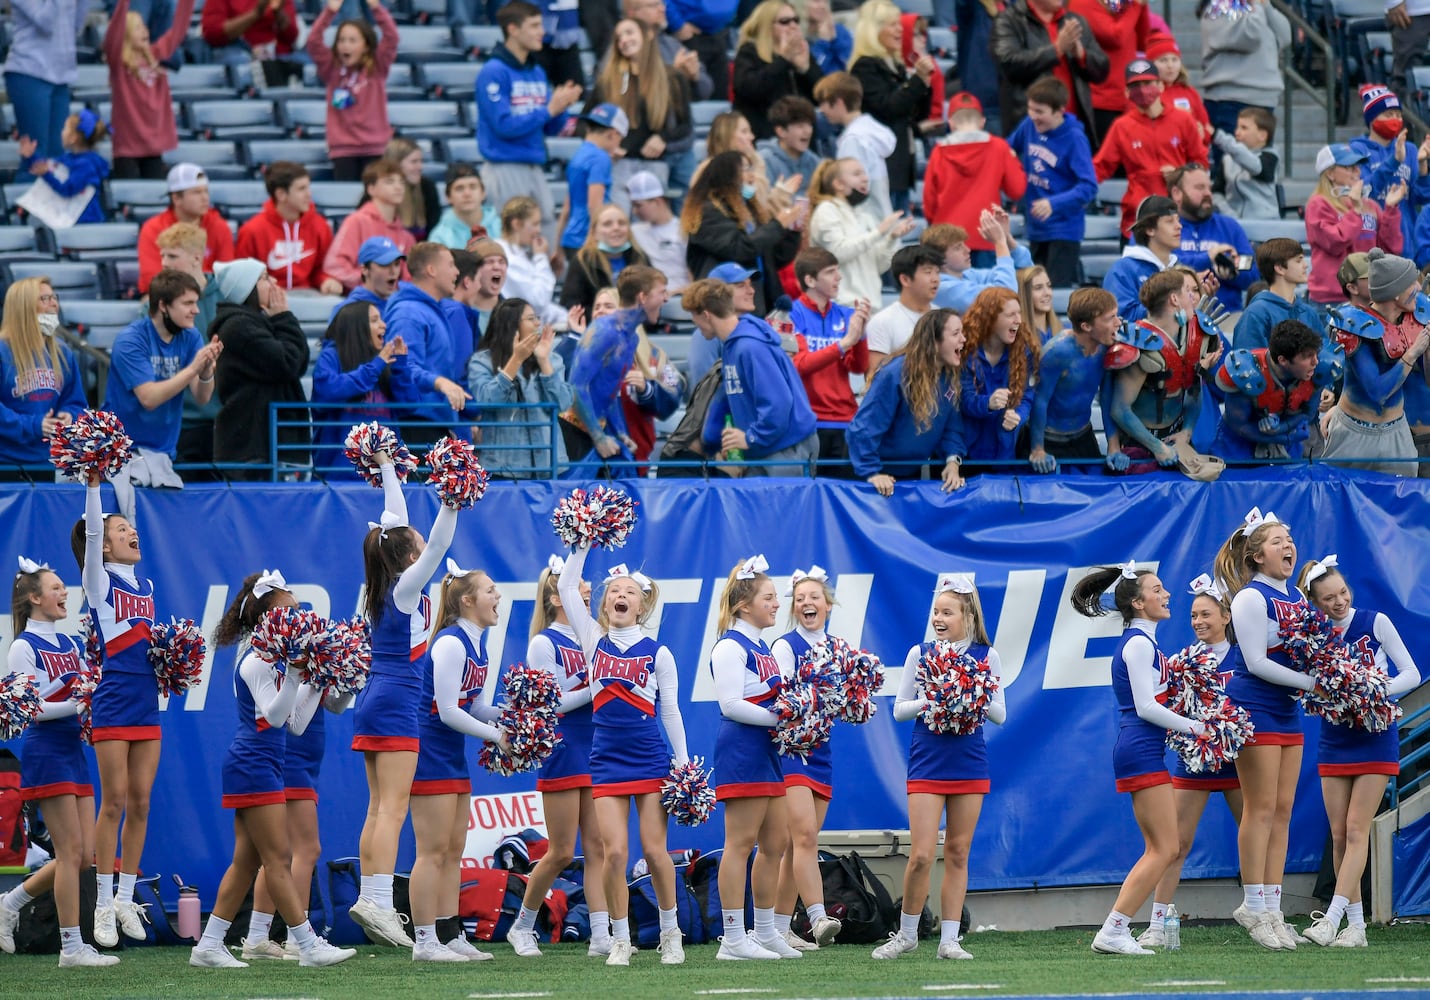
(1255, 519)
(752, 567)
(958, 583)
(30, 566)
(1129, 569)
(621, 570)
(1204, 584)
(454, 570)
(269, 580)
(815, 572)
(557, 565)
(1321, 568)
(388, 522)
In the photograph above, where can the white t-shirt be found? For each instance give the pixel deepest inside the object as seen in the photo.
(891, 327)
(665, 247)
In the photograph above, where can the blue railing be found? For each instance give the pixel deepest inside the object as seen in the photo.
(1414, 755)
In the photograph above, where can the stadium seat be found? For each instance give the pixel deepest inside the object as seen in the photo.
(429, 43)
(96, 241)
(331, 196)
(307, 119)
(312, 311)
(1060, 301)
(18, 243)
(119, 279)
(401, 86)
(923, 8)
(1096, 265)
(12, 193)
(91, 83)
(428, 119)
(312, 153)
(451, 81)
(1102, 234)
(1110, 192)
(99, 322)
(136, 198)
(234, 119)
(461, 151)
(560, 150)
(479, 40)
(702, 113)
(942, 41)
(219, 159)
(69, 278)
(201, 82)
(9, 158)
(1259, 230)
(238, 199)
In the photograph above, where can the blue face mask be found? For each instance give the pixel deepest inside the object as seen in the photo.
(1181, 316)
(605, 247)
(747, 191)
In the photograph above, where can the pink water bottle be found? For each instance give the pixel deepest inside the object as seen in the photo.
(190, 916)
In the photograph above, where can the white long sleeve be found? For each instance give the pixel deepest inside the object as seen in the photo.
(393, 500)
(21, 660)
(309, 699)
(414, 578)
(274, 702)
(997, 705)
(541, 654)
(1248, 617)
(727, 663)
(1143, 675)
(449, 663)
(907, 703)
(667, 682)
(1407, 675)
(568, 586)
(94, 579)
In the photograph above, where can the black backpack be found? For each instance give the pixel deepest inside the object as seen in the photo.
(854, 895)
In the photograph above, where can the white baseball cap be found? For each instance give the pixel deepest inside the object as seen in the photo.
(185, 176)
(644, 186)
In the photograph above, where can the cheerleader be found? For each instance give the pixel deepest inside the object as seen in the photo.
(947, 772)
(633, 677)
(1355, 764)
(1139, 686)
(809, 782)
(457, 700)
(397, 564)
(747, 764)
(564, 780)
(1257, 563)
(252, 780)
(53, 770)
(124, 710)
(1211, 624)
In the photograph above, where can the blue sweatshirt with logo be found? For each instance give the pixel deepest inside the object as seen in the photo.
(417, 318)
(1059, 168)
(762, 392)
(512, 120)
(885, 429)
(1263, 312)
(24, 403)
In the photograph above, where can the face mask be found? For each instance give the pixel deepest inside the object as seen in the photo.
(747, 191)
(1143, 98)
(856, 198)
(174, 328)
(49, 323)
(1181, 317)
(1387, 128)
(607, 248)
(1343, 191)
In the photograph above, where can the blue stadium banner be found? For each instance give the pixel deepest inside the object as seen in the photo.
(1053, 817)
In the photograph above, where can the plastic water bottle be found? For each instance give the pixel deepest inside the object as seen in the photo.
(1172, 928)
(734, 454)
(190, 912)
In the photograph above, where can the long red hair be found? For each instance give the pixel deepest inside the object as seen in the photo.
(978, 326)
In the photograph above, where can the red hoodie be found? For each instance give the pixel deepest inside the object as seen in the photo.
(1122, 36)
(825, 371)
(1143, 146)
(293, 251)
(219, 248)
(936, 84)
(967, 173)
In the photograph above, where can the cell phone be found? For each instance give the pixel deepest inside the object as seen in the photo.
(1243, 262)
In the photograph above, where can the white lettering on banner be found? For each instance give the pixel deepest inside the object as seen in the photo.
(1069, 666)
(214, 606)
(491, 818)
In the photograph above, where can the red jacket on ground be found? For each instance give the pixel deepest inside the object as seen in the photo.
(293, 251)
(1142, 146)
(966, 173)
(220, 246)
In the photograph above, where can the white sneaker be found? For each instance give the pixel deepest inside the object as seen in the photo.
(435, 951)
(85, 957)
(106, 935)
(825, 930)
(599, 949)
(798, 943)
(1285, 932)
(132, 917)
(1264, 932)
(265, 949)
(1322, 931)
(743, 950)
(776, 944)
(381, 926)
(1244, 916)
(620, 953)
(896, 945)
(291, 951)
(9, 920)
(465, 948)
(523, 942)
(1153, 937)
(1351, 937)
(952, 950)
(1118, 944)
(202, 957)
(322, 954)
(672, 950)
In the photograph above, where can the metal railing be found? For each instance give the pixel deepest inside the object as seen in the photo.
(1324, 96)
(1414, 756)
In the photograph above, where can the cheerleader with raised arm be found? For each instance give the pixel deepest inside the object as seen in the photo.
(633, 678)
(1139, 687)
(53, 770)
(948, 772)
(809, 781)
(564, 780)
(1257, 564)
(1211, 624)
(456, 704)
(1355, 763)
(398, 564)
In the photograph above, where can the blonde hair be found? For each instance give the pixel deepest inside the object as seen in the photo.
(184, 236)
(1235, 562)
(1307, 587)
(649, 100)
(413, 211)
(20, 328)
(738, 595)
(546, 611)
(649, 599)
(873, 16)
(828, 598)
(821, 182)
(1049, 319)
(973, 628)
(1327, 190)
(759, 27)
(135, 57)
(449, 599)
(593, 259)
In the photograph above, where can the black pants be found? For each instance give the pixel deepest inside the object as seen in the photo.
(834, 447)
(561, 65)
(133, 168)
(350, 168)
(1062, 259)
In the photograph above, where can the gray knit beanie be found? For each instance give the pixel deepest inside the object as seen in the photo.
(1390, 275)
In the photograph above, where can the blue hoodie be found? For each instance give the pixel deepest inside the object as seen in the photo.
(1059, 168)
(1198, 237)
(86, 170)
(361, 387)
(417, 318)
(23, 408)
(762, 392)
(139, 355)
(987, 440)
(465, 326)
(359, 294)
(1124, 279)
(958, 293)
(710, 16)
(512, 120)
(884, 429)
(1380, 170)
(1264, 311)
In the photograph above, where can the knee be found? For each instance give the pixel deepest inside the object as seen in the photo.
(111, 809)
(70, 854)
(955, 853)
(560, 855)
(1356, 831)
(136, 803)
(920, 859)
(616, 855)
(805, 839)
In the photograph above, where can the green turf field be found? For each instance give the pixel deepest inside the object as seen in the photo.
(1212, 959)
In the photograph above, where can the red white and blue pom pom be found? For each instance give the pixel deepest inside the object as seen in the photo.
(1349, 691)
(19, 704)
(176, 652)
(809, 703)
(531, 688)
(458, 477)
(340, 656)
(95, 441)
(1228, 9)
(93, 648)
(1194, 684)
(861, 676)
(686, 794)
(285, 634)
(959, 689)
(82, 693)
(602, 518)
(531, 738)
(1227, 728)
(363, 443)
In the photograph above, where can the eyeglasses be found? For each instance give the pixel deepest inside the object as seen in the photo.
(50, 299)
(785, 22)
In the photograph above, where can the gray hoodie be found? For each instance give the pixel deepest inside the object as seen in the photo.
(1241, 56)
(871, 142)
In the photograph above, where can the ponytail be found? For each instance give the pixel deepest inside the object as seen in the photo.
(449, 600)
(738, 595)
(546, 607)
(244, 612)
(385, 555)
(1087, 595)
(27, 587)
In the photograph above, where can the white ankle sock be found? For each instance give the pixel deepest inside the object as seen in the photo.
(948, 932)
(126, 888)
(525, 920)
(600, 926)
(815, 911)
(382, 891)
(258, 927)
(764, 923)
(1337, 909)
(1117, 924)
(214, 932)
(1255, 898)
(427, 933)
(1273, 898)
(70, 940)
(1159, 915)
(303, 936)
(1355, 914)
(105, 884)
(621, 929)
(367, 888)
(16, 898)
(909, 925)
(733, 926)
(668, 921)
